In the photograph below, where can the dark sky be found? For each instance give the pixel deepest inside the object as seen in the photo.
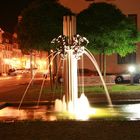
(9, 11)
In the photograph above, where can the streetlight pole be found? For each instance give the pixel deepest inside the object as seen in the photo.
(131, 69)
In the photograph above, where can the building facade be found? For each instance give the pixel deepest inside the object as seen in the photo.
(11, 56)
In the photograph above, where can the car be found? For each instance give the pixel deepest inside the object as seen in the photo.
(126, 78)
(12, 72)
(15, 72)
(87, 72)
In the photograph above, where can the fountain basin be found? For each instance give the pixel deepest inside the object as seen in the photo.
(45, 112)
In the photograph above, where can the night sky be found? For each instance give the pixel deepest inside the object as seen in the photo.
(10, 9)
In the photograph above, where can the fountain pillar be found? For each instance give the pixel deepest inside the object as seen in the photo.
(69, 27)
(70, 77)
(71, 92)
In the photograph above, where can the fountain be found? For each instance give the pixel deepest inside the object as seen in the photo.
(71, 51)
(70, 48)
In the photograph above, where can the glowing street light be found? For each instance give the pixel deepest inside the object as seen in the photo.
(131, 69)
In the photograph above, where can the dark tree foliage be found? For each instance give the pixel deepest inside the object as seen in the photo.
(108, 29)
(42, 21)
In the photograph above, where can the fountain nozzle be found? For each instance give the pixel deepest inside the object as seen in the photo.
(77, 45)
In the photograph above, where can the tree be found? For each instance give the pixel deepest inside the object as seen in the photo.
(41, 21)
(108, 30)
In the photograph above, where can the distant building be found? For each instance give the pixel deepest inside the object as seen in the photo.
(6, 51)
(11, 56)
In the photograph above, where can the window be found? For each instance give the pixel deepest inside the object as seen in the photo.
(133, 18)
(128, 59)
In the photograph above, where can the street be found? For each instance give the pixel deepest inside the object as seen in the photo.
(13, 88)
(11, 82)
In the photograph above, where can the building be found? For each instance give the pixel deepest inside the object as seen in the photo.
(8, 52)
(11, 56)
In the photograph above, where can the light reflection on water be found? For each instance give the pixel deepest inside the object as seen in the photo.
(43, 113)
(133, 111)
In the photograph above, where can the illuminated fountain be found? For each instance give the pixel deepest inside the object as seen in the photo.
(70, 52)
(70, 48)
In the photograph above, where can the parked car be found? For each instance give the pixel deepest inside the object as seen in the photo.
(12, 72)
(87, 72)
(126, 78)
